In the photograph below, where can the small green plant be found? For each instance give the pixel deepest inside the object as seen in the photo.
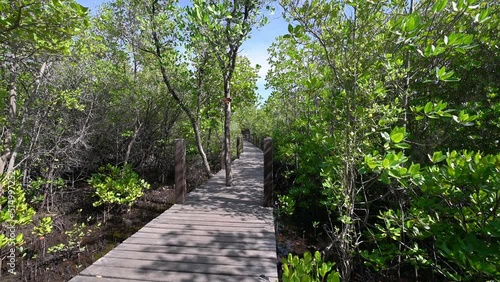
(117, 186)
(75, 238)
(287, 204)
(43, 189)
(315, 225)
(42, 230)
(14, 209)
(308, 269)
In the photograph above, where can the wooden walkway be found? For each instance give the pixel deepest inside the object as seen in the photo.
(220, 234)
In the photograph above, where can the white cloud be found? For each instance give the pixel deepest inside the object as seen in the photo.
(255, 48)
(257, 54)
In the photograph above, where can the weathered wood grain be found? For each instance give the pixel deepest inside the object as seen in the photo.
(219, 234)
(211, 259)
(127, 274)
(178, 232)
(201, 251)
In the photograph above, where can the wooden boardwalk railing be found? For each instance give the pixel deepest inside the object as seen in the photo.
(219, 234)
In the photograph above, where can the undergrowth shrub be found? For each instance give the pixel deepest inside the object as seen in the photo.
(115, 186)
(308, 269)
(14, 211)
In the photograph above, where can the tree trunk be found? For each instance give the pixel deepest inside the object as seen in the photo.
(199, 145)
(131, 143)
(173, 93)
(8, 155)
(8, 158)
(208, 140)
(227, 134)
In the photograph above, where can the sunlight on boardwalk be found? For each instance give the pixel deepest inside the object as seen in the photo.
(220, 234)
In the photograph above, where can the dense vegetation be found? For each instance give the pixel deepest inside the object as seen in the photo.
(385, 116)
(90, 108)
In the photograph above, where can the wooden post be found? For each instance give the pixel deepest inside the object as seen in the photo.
(238, 146)
(268, 172)
(180, 171)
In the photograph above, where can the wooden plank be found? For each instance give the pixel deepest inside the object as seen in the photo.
(203, 238)
(118, 264)
(228, 218)
(209, 228)
(213, 218)
(174, 232)
(213, 209)
(202, 251)
(155, 275)
(208, 222)
(101, 279)
(204, 215)
(219, 244)
(260, 213)
(231, 210)
(201, 213)
(213, 258)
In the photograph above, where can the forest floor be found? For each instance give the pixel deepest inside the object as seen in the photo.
(79, 230)
(83, 239)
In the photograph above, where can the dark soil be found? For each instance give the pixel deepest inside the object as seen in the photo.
(73, 210)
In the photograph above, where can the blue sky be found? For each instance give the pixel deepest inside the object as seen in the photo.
(255, 48)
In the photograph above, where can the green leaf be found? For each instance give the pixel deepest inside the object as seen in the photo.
(298, 29)
(447, 75)
(19, 239)
(402, 146)
(437, 157)
(317, 256)
(307, 257)
(323, 270)
(414, 169)
(333, 277)
(398, 134)
(439, 5)
(483, 16)
(428, 50)
(428, 107)
(370, 162)
(386, 163)
(412, 22)
(440, 72)
(385, 178)
(438, 50)
(402, 171)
